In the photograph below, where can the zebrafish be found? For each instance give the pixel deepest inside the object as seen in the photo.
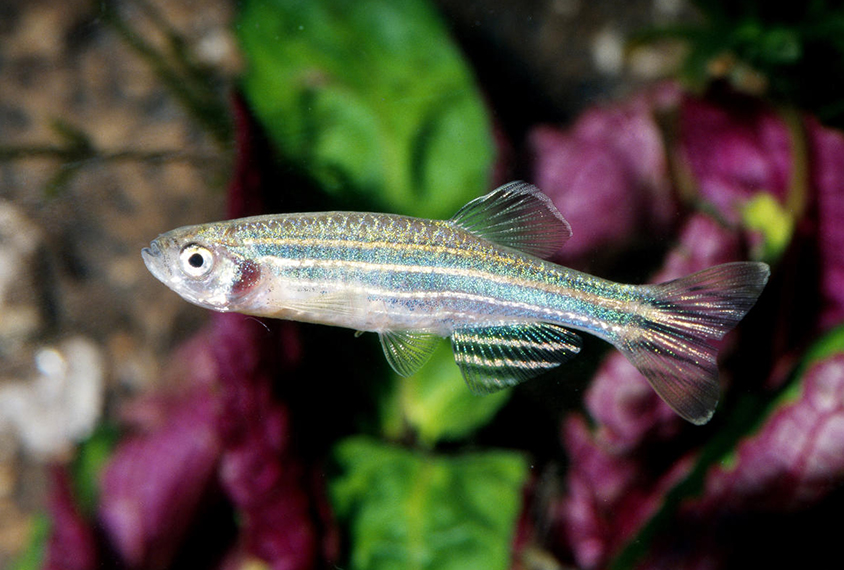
(481, 278)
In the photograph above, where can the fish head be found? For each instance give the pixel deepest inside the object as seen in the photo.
(202, 268)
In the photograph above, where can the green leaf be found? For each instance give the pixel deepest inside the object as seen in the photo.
(412, 510)
(32, 557)
(436, 403)
(775, 224)
(829, 345)
(370, 98)
(90, 458)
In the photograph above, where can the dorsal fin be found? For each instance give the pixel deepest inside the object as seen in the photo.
(516, 215)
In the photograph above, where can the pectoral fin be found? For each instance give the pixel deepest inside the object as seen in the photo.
(407, 351)
(333, 303)
(496, 357)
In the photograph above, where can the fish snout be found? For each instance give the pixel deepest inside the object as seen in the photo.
(153, 257)
(152, 250)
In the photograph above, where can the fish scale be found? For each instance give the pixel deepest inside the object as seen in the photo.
(488, 282)
(479, 278)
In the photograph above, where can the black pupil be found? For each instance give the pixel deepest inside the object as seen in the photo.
(196, 260)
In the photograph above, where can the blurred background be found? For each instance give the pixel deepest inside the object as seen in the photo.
(673, 135)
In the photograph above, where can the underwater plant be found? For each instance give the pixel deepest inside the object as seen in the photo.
(290, 446)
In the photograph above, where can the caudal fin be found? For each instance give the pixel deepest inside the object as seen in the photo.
(672, 346)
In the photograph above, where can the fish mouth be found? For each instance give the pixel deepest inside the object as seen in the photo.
(154, 260)
(151, 252)
(153, 249)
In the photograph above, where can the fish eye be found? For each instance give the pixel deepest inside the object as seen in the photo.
(196, 260)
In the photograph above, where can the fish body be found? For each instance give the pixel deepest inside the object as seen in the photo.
(480, 279)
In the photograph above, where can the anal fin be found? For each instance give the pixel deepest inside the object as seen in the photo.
(499, 356)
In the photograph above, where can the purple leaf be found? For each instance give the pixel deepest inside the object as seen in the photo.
(610, 496)
(263, 478)
(827, 150)
(253, 160)
(791, 463)
(608, 174)
(735, 147)
(155, 482)
(222, 430)
(795, 458)
(72, 544)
